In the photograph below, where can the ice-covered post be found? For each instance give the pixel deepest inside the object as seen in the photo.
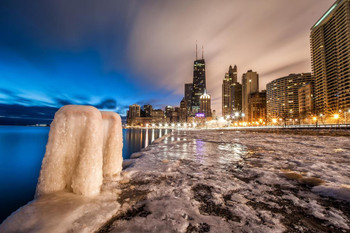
(84, 144)
(112, 145)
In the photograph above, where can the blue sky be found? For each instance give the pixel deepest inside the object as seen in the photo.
(114, 53)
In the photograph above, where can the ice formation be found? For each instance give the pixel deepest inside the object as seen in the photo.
(112, 144)
(84, 144)
(84, 147)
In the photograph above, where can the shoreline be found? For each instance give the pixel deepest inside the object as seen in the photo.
(255, 182)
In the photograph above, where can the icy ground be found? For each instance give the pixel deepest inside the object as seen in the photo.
(227, 181)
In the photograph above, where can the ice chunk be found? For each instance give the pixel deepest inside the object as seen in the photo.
(62, 212)
(84, 145)
(73, 158)
(112, 144)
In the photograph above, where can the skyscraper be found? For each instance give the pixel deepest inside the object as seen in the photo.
(205, 104)
(183, 111)
(227, 85)
(188, 96)
(250, 84)
(236, 93)
(330, 55)
(199, 83)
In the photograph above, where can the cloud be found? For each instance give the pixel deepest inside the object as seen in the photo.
(154, 41)
(270, 37)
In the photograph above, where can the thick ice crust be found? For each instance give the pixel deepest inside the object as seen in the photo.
(84, 144)
(112, 145)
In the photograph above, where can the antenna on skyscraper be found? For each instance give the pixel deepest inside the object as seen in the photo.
(196, 50)
(202, 52)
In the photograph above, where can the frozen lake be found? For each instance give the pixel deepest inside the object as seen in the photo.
(21, 151)
(231, 181)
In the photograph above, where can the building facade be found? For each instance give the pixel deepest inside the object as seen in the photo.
(236, 93)
(183, 111)
(205, 104)
(199, 84)
(282, 96)
(257, 107)
(250, 84)
(306, 101)
(188, 96)
(227, 98)
(330, 55)
(148, 110)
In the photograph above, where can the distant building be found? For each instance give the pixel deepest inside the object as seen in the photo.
(282, 96)
(168, 112)
(205, 104)
(250, 84)
(183, 111)
(133, 113)
(257, 107)
(306, 100)
(175, 115)
(199, 83)
(227, 98)
(158, 116)
(148, 110)
(236, 93)
(188, 96)
(330, 55)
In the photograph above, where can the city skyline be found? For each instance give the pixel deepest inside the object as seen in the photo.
(106, 65)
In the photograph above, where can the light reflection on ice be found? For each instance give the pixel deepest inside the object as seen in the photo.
(233, 181)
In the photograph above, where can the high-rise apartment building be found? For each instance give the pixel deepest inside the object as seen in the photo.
(250, 84)
(236, 93)
(306, 100)
(257, 107)
(227, 98)
(205, 104)
(188, 96)
(282, 96)
(330, 55)
(199, 83)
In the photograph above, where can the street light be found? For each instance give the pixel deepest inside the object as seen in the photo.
(274, 120)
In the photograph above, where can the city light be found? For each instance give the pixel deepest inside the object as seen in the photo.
(336, 116)
(274, 120)
(314, 118)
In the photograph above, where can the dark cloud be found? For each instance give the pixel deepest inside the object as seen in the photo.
(107, 104)
(292, 67)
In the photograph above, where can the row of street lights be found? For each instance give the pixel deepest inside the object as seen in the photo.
(173, 125)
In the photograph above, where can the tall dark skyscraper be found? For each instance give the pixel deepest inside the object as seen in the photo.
(199, 84)
(227, 85)
(188, 95)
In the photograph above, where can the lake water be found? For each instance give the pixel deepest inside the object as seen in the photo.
(21, 152)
